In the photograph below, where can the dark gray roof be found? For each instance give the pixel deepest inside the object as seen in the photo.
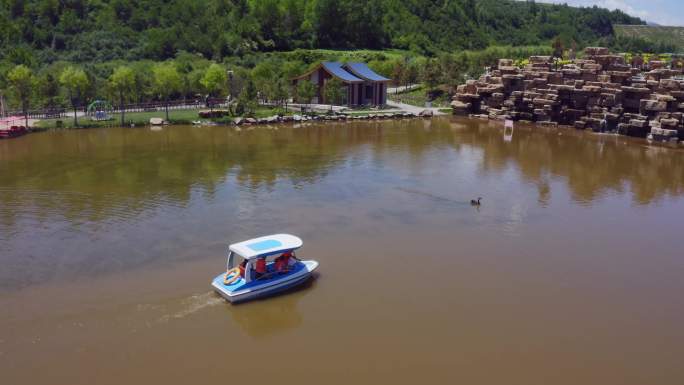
(362, 70)
(335, 68)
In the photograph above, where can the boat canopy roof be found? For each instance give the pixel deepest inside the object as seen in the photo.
(265, 246)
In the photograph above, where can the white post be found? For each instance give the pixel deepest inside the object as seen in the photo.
(248, 272)
(229, 261)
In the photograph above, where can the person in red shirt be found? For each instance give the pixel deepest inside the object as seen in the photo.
(282, 263)
(259, 268)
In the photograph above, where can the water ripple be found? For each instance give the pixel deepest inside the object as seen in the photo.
(194, 304)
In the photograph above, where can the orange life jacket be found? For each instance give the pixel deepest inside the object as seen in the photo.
(260, 266)
(280, 264)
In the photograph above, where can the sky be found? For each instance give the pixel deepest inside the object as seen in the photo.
(663, 12)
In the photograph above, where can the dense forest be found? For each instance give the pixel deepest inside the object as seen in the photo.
(100, 30)
(62, 53)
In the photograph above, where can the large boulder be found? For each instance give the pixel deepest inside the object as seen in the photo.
(461, 108)
(652, 105)
(596, 51)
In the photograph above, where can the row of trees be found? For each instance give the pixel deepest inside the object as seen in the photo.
(23, 82)
(61, 84)
(74, 86)
(167, 81)
(74, 83)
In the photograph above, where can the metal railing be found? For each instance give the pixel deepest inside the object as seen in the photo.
(181, 104)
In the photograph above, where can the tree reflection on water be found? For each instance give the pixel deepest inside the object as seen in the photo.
(93, 174)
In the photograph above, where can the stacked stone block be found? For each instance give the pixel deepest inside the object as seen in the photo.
(600, 92)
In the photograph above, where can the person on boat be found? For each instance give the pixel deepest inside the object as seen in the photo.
(260, 267)
(283, 263)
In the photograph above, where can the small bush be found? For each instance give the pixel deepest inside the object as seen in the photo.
(213, 114)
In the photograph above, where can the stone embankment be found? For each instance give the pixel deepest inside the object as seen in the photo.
(600, 92)
(336, 117)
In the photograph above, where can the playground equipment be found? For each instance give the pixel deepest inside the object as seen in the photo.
(99, 110)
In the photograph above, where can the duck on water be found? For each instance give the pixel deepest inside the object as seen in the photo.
(476, 202)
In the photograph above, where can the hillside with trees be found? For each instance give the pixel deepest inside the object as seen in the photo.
(650, 38)
(63, 54)
(99, 30)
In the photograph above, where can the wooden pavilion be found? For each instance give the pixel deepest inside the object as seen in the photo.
(363, 87)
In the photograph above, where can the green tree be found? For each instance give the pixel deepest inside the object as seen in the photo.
(557, 48)
(411, 75)
(557, 51)
(122, 82)
(264, 75)
(22, 81)
(167, 81)
(306, 91)
(76, 82)
(48, 89)
(333, 91)
(399, 72)
(98, 31)
(280, 92)
(214, 80)
(330, 20)
(431, 75)
(450, 71)
(247, 101)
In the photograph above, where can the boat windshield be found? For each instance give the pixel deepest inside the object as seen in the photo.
(263, 267)
(234, 260)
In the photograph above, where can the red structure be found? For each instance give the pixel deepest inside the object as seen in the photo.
(363, 86)
(12, 127)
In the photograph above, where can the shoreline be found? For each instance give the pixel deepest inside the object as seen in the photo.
(548, 124)
(244, 121)
(296, 118)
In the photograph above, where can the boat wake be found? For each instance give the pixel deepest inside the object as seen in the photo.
(194, 304)
(431, 196)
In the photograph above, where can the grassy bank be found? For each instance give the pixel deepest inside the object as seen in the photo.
(418, 97)
(131, 118)
(143, 118)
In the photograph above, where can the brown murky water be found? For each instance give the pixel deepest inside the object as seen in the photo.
(571, 272)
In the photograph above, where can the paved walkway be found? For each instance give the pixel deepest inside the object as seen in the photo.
(318, 107)
(394, 90)
(413, 109)
(396, 107)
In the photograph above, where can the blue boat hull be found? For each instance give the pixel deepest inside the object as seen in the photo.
(241, 291)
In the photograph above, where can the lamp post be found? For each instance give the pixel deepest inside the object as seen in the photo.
(230, 84)
(230, 91)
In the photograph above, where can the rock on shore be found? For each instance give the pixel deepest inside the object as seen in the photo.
(337, 117)
(600, 92)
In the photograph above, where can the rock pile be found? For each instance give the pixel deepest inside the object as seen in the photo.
(335, 117)
(600, 92)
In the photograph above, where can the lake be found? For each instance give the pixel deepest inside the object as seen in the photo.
(571, 271)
